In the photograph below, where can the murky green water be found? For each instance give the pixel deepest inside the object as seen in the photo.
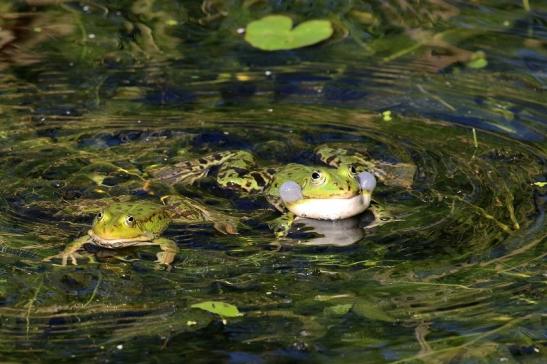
(94, 93)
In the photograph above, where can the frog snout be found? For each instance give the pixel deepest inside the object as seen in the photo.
(367, 181)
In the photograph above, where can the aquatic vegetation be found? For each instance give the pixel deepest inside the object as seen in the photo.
(222, 309)
(276, 32)
(95, 95)
(478, 60)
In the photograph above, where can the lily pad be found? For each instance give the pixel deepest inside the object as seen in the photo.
(218, 307)
(276, 32)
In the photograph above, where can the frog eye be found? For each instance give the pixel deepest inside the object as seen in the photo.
(130, 220)
(317, 177)
(352, 169)
(99, 216)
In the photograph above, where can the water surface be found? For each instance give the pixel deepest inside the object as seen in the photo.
(94, 93)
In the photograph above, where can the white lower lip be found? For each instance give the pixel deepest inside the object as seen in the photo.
(330, 209)
(116, 243)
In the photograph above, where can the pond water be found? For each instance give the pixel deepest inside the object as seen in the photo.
(94, 94)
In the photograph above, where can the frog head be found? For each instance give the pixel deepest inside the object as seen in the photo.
(326, 193)
(130, 220)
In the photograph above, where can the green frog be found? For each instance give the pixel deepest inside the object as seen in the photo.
(139, 223)
(337, 192)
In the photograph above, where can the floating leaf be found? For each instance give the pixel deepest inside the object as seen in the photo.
(371, 311)
(478, 63)
(275, 32)
(220, 308)
(386, 115)
(478, 60)
(338, 310)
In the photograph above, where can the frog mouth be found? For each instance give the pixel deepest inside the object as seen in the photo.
(120, 242)
(330, 209)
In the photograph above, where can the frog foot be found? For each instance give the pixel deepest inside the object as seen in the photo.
(280, 244)
(166, 257)
(164, 260)
(73, 256)
(382, 216)
(279, 228)
(225, 228)
(282, 225)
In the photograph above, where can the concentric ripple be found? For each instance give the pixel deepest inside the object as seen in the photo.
(455, 247)
(446, 267)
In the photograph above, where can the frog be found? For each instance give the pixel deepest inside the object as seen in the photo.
(332, 192)
(122, 224)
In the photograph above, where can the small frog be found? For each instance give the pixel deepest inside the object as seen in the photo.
(139, 223)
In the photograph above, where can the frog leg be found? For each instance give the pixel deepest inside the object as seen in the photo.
(400, 174)
(282, 224)
(169, 250)
(70, 251)
(336, 156)
(223, 223)
(382, 216)
(240, 173)
(192, 170)
(185, 210)
(225, 227)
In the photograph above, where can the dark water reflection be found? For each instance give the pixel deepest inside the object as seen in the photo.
(456, 273)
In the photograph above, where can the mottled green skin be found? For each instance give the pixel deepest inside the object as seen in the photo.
(334, 183)
(399, 174)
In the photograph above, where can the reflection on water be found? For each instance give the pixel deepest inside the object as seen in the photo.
(347, 231)
(449, 267)
(338, 233)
